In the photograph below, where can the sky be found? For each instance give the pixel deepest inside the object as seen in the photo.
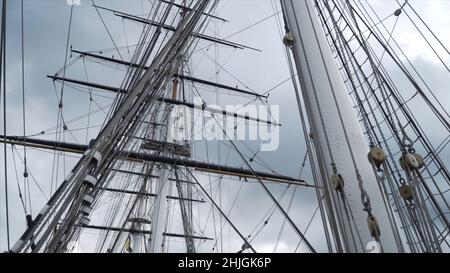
(45, 30)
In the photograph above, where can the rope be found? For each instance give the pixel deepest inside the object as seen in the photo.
(247, 244)
(437, 101)
(426, 25)
(423, 36)
(107, 29)
(25, 171)
(291, 222)
(18, 184)
(407, 74)
(90, 103)
(364, 196)
(307, 227)
(66, 55)
(60, 119)
(3, 67)
(266, 218)
(294, 226)
(327, 140)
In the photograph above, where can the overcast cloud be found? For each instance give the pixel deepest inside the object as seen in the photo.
(46, 23)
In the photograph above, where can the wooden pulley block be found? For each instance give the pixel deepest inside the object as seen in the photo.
(420, 160)
(377, 156)
(337, 182)
(406, 192)
(288, 39)
(409, 162)
(374, 228)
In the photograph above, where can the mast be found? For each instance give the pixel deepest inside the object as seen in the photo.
(80, 187)
(159, 207)
(339, 144)
(3, 94)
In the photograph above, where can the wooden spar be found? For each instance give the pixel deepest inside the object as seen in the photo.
(150, 194)
(167, 100)
(183, 8)
(173, 29)
(182, 77)
(133, 156)
(131, 230)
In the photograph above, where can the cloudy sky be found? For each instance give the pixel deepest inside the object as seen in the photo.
(46, 24)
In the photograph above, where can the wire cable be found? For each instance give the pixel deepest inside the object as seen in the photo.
(5, 154)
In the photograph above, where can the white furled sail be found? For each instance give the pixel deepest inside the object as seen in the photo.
(337, 137)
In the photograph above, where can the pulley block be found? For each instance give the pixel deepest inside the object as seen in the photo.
(420, 160)
(288, 39)
(406, 192)
(409, 162)
(374, 228)
(377, 156)
(337, 182)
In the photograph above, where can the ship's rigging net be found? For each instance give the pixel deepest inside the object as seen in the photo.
(362, 43)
